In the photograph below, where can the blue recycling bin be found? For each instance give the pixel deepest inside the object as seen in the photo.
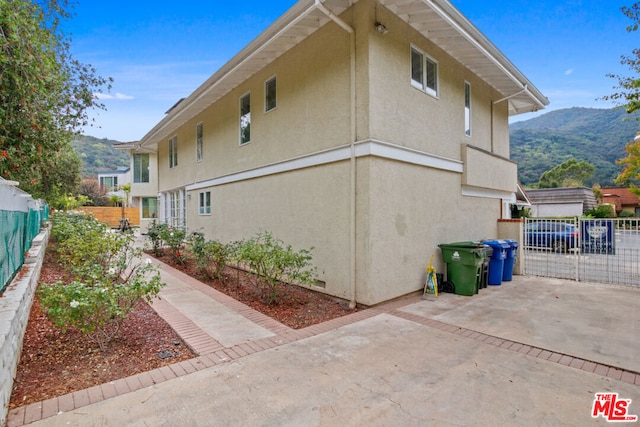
(510, 260)
(496, 262)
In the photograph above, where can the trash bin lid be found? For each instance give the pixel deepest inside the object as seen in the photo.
(497, 244)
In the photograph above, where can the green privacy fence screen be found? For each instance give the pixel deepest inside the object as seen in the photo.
(17, 230)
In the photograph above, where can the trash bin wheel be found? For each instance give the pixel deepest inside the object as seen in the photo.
(448, 287)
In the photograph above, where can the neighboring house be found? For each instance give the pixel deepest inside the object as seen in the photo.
(622, 199)
(521, 205)
(144, 181)
(369, 130)
(111, 180)
(573, 201)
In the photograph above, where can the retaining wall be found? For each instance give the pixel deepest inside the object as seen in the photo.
(15, 305)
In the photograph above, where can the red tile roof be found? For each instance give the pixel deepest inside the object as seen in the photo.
(620, 196)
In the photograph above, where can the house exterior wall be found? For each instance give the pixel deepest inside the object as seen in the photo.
(418, 178)
(411, 209)
(557, 209)
(402, 118)
(140, 190)
(312, 114)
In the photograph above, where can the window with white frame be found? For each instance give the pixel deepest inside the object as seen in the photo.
(141, 168)
(424, 72)
(109, 183)
(173, 152)
(467, 109)
(149, 207)
(270, 99)
(175, 208)
(245, 119)
(204, 203)
(199, 142)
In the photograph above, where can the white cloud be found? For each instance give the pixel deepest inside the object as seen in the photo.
(569, 71)
(118, 96)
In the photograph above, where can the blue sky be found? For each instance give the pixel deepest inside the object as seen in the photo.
(158, 51)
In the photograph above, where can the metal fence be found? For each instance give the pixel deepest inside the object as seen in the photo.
(20, 220)
(583, 249)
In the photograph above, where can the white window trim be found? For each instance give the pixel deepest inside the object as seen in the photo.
(468, 125)
(173, 162)
(422, 86)
(270, 79)
(203, 209)
(142, 207)
(200, 126)
(242, 144)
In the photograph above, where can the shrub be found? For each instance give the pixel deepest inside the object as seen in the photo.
(109, 277)
(602, 211)
(211, 256)
(273, 263)
(174, 238)
(164, 235)
(155, 232)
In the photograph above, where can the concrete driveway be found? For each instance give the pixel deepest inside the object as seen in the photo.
(530, 352)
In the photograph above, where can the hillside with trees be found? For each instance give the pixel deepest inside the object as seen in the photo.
(597, 136)
(98, 155)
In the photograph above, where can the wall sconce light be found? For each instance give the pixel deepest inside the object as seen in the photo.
(381, 28)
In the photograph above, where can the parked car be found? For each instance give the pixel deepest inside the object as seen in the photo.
(558, 236)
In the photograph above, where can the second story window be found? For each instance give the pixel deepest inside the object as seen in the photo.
(270, 100)
(245, 119)
(467, 109)
(424, 72)
(109, 183)
(140, 168)
(199, 142)
(173, 152)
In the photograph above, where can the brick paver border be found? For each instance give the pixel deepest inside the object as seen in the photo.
(211, 353)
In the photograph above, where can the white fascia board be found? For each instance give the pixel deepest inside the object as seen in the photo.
(487, 193)
(361, 149)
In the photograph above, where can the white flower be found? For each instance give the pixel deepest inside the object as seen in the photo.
(147, 261)
(112, 270)
(74, 303)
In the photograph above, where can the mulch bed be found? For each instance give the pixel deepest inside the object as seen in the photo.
(53, 363)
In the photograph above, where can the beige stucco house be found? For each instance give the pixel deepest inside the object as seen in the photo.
(143, 177)
(369, 130)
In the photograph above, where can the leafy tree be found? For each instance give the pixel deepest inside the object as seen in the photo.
(571, 173)
(97, 195)
(629, 97)
(46, 94)
(629, 87)
(630, 174)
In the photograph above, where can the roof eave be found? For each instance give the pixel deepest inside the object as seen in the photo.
(296, 20)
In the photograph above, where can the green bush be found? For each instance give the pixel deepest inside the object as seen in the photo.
(273, 264)
(109, 277)
(211, 256)
(162, 235)
(602, 211)
(155, 232)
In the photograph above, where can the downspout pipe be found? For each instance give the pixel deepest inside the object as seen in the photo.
(352, 158)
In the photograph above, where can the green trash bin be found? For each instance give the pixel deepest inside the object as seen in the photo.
(464, 265)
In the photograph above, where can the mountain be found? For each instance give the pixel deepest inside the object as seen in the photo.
(598, 136)
(98, 155)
